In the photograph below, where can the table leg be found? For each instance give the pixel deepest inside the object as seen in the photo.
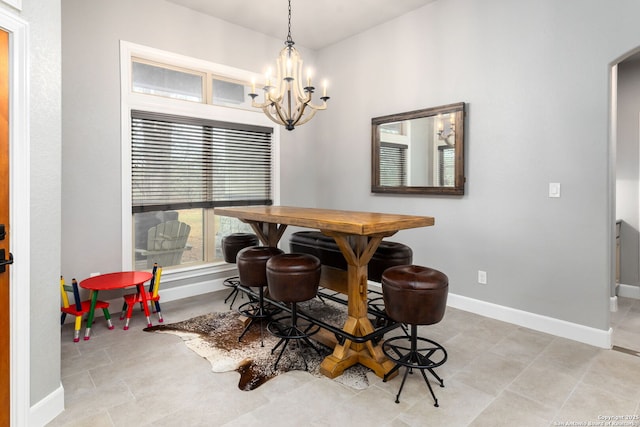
(358, 252)
(268, 233)
(92, 311)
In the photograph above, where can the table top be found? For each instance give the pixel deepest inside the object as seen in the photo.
(351, 222)
(118, 280)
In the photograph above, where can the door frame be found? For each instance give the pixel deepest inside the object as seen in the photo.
(19, 214)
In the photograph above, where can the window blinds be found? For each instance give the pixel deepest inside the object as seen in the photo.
(393, 164)
(447, 166)
(183, 162)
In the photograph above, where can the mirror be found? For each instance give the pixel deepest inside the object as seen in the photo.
(419, 152)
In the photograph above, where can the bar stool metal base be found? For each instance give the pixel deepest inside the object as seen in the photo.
(292, 331)
(257, 311)
(232, 282)
(415, 352)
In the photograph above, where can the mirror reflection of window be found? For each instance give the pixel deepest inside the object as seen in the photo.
(446, 171)
(444, 150)
(393, 164)
(395, 128)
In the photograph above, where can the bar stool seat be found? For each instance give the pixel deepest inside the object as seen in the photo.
(231, 245)
(252, 262)
(292, 278)
(415, 295)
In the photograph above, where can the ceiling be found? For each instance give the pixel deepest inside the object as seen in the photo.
(314, 23)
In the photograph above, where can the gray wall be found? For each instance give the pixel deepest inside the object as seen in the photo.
(628, 158)
(535, 75)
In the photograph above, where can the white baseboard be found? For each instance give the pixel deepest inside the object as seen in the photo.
(194, 289)
(561, 328)
(629, 291)
(47, 409)
(549, 325)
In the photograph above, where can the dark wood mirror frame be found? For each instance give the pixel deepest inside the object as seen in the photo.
(440, 174)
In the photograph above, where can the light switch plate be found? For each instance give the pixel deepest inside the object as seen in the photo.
(482, 277)
(554, 189)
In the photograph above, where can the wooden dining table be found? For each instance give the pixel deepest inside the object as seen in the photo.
(110, 281)
(358, 235)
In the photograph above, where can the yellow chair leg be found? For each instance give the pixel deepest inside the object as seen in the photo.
(76, 333)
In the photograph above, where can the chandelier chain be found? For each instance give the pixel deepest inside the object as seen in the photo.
(289, 39)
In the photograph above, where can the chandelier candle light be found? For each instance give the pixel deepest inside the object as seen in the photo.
(445, 136)
(287, 102)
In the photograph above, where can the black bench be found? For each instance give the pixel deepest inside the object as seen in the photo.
(387, 255)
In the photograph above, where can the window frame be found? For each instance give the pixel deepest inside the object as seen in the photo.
(137, 101)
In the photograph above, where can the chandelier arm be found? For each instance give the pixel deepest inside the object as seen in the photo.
(262, 105)
(271, 117)
(308, 117)
(320, 107)
(278, 109)
(298, 115)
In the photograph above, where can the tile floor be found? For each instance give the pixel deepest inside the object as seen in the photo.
(497, 374)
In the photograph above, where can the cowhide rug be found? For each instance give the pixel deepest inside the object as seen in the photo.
(214, 337)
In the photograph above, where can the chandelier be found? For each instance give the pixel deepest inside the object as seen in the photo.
(286, 101)
(444, 135)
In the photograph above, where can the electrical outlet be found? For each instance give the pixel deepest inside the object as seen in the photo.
(482, 277)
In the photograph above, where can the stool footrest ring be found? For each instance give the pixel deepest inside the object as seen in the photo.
(253, 310)
(415, 352)
(427, 354)
(231, 282)
(283, 330)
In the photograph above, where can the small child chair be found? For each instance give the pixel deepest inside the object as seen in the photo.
(152, 296)
(78, 308)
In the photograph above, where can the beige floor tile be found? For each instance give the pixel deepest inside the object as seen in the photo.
(100, 419)
(615, 372)
(522, 344)
(567, 356)
(588, 404)
(372, 406)
(510, 409)
(490, 373)
(459, 405)
(548, 386)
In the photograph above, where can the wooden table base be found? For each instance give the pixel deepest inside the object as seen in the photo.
(348, 354)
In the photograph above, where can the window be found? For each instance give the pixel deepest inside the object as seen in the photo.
(180, 168)
(190, 142)
(230, 94)
(154, 79)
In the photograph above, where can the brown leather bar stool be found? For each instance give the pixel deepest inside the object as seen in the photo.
(252, 268)
(415, 295)
(231, 245)
(292, 278)
(388, 254)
